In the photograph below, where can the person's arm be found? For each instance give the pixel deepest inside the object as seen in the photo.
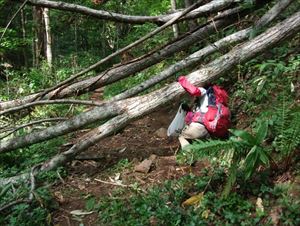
(190, 88)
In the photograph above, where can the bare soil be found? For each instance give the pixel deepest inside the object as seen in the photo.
(95, 177)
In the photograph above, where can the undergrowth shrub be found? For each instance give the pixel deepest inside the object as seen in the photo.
(162, 205)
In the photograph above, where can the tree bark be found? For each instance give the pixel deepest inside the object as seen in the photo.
(38, 35)
(130, 109)
(213, 6)
(23, 22)
(46, 15)
(174, 26)
(199, 55)
(192, 24)
(123, 71)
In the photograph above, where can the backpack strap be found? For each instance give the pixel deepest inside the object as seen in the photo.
(217, 117)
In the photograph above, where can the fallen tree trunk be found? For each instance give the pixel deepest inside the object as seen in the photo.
(123, 71)
(199, 55)
(133, 108)
(140, 106)
(213, 6)
(187, 62)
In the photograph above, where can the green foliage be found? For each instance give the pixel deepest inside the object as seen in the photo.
(262, 79)
(211, 149)
(39, 211)
(11, 41)
(19, 160)
(163, 205)
(36, 213)
(245, 146)
(286, 128)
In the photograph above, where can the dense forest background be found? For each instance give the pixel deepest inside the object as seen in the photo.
(88, 89)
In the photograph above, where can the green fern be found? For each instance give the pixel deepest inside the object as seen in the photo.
(286, 128)
(241, 146)
(205, 149)
(232, 174)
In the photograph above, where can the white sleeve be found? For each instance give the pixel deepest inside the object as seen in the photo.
(203, 91)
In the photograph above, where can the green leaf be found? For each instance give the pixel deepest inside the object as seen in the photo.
(251, 160)
(263, 157)
(90, 204)
(262, 132)
(247, 137)
(251, 156)
(232, 176)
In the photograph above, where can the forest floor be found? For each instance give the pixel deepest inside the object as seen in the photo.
(142, 144)
(138, 157)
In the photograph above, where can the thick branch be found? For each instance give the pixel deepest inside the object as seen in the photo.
(125, 70)
(73, 124)
(210, 7)
(13, 130)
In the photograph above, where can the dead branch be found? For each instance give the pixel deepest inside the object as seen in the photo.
(201, 54)
(126, 48)
(48, 102)
(11, 204)
(124, 71)
(15, 129)
(213, 6)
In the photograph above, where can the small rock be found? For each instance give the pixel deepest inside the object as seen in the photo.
(144, 166)
(275, 215)
(153, 221)
(161, 132)
(152, 157)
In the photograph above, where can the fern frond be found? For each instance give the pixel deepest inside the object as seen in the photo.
(291, 139)
(206, 149)
(213, 145)
(232, 176)
(286, 127)
(281, 121)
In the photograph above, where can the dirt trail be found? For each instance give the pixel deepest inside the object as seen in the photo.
(137, 142)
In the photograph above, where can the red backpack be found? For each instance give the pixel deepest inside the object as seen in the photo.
(217, 118)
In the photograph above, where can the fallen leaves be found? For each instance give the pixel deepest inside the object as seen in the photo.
(194, 200)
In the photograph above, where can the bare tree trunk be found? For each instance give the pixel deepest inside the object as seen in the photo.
(38, 35)
(130, 109)
(46, 15)
(23, 22)
(174, 26)
(192, 24)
